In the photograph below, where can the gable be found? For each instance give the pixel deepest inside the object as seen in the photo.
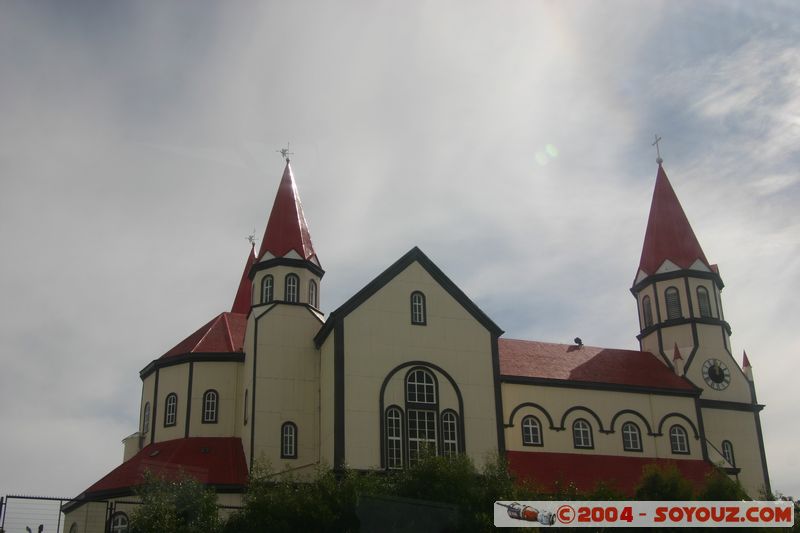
(415, 255)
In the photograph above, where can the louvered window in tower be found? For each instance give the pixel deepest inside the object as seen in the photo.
(673, 301)
(704, 302)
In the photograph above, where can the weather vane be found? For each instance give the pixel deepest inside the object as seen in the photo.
(285, 153)
(252, 237)
(658, 152)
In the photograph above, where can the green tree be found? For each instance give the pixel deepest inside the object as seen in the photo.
(179, 506)
(720, 487)
(663, 483)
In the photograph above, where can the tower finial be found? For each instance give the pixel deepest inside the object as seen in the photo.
(658, 152)
(285, 153)
(252, 237)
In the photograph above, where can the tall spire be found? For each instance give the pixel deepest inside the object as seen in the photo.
(669, 234)
(287, 229)
(242, 302)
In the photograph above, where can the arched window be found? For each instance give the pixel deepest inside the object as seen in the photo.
(73, 528)
(678, 440)
(312, 293)
(421, 401)
(245, 406)
(531, 431)
(418, 312)
(449, 433)
(673, 301)
(647, 312)
(267, 289)
(171, 411)
(292, 285)
(119, 523)
(704, 302)
(146, 418)
(727, 452)
(210, 404)
(394, 438)
(582, 434)
(631, 437)
(288, 440)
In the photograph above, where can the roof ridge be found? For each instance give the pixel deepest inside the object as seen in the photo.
(210, 328)
(228, 331)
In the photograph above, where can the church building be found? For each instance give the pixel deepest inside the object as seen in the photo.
(411, 364)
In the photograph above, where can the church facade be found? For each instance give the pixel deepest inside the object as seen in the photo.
(410, 365)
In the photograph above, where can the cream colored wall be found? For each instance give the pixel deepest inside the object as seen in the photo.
(287, 385)
(172, 379)
(606, 404)
(711, 287)
(222, 377)
(740, 428)
(279, 278)
(326, 400)
(711, 346)
(379, 336)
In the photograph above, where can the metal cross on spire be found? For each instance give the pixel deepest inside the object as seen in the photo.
(285, 153)
(658, 152)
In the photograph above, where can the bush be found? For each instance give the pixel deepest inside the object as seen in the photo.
(180, 506)
(663, 483)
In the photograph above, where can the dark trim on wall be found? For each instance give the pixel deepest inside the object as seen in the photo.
(413, 255)
(196, 357)
(585, 409)
(681, 416)
(154, 412)
(762, 452)
(654, 278)
(535, 406)
(680, 321)
(699, 414)
(338, 398)
(189, 400)
(427, 366)
(286, 261)
(498, 396)
(635, 413)
(731, 406)
(689, 300)
(547, 382)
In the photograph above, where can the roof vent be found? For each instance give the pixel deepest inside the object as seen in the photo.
(154, 453)
(578, 341)
(204, 450)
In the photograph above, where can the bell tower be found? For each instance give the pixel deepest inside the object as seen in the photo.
(681, 320)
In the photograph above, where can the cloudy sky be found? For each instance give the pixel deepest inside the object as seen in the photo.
(508, 140)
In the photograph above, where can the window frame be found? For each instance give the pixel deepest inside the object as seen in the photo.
(290, 451)
(146, 418)
(678, 436)
(267, 289)
(215, 413)
(450, 440)
(727, 449)
(588, 434)
(419, 309)
(244, 417)
(673, 304)
(312, 293)
(119, 528)
(171, 415)
(647, 312)
(398, 462)
(704, 298)
(292, 296)
(628, 430)
(531, 438)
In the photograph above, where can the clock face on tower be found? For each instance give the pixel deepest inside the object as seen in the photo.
(716, 374)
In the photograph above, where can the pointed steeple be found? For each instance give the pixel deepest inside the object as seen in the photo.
(241, 303)
(287, 229)
(669, 234)
(746, 368)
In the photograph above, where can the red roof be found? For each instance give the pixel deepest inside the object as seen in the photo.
(669, 234)
(745, 361)
(589, 364)
(585, 471)
(223, 334)
(287, 229)
(242, 301)
(210, 460)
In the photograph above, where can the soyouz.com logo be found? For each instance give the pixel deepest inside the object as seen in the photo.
(643, 514)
